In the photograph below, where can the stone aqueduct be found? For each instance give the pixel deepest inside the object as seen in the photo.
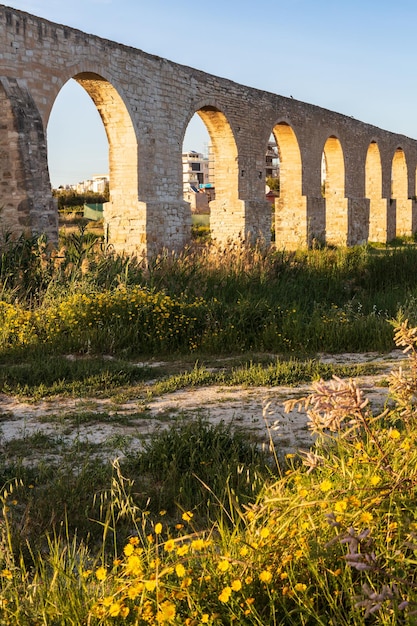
(146, 103)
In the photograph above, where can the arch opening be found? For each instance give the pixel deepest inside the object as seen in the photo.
(226, 213)
(333, 191)
(399, 195)
(291, 228)
(373, 191)
(116, 152)
(198, 189)
(77, 143)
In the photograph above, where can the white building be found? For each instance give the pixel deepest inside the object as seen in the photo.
(195, 171)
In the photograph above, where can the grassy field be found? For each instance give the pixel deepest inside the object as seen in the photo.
(202, 527)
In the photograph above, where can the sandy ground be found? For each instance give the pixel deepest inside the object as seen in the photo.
(116, 429)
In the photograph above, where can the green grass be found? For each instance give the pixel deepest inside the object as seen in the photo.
(203, 301)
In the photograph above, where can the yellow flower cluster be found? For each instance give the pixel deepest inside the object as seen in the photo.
(16, 326)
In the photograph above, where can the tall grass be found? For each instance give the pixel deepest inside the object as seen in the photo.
(204, 300)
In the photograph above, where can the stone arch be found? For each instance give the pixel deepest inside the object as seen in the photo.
(226, 211)
(373, 191)
(124, 219)
(334, 193)
(291, 206)
(399, 194)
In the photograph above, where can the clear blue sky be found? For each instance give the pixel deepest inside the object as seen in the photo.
(356, 57)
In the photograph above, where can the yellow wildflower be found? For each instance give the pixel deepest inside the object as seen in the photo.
(366, 517)
(169, 545)
(198, 544)
(265, 576)
(326, 485)
(223, 566)
(180, 570)
(236, 585)
(133, 566)
(158, 528)
(101, 573)
(150, 585)
(114, 609)
(300, 587)
(128, 549)
(225, 594)
(134, 541)
(187, 515)
(394, 434)
(166, 612)
(340, 506)
(135, 590)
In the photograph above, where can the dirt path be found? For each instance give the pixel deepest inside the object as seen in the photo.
(50, 426)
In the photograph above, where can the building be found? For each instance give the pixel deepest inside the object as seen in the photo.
(272, 160)
(196, 179)
(195, 171)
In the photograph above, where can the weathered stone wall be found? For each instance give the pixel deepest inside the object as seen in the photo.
(146, 103)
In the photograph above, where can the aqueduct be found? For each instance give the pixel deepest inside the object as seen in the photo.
(146, 103)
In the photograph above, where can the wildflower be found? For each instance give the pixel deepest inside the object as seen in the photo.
(205, 618)
(101, 573)
(169, 545)
(182, 550)
(225, 594)
(150, 585)
(300, 587)
(166, 612)
(366, 517)
(223, 566)
(341, 506)
(394, 434)
(265, 532)
(187, 515)
(326, 485)
(236, 585)
(244, 551)
(374, 480)
(128, 549)
(6, 573)
(135, 590)
(134, 541)
(198, 544)
(158, 528)
(354, 501)
(180, 570)
(265, 576)
(114, 609)
(133, 566)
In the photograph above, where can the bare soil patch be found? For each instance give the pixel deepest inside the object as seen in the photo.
(46, 428)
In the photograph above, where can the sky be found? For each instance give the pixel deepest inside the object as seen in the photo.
(356, 57)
